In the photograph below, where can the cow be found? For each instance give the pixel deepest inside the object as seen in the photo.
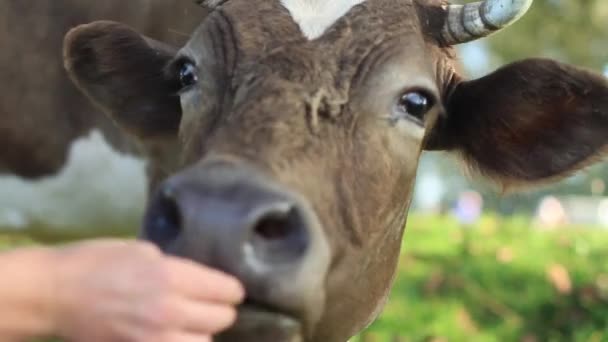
(288, 134)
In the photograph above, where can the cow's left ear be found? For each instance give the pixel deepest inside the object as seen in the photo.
(124, 73)
(531, 121)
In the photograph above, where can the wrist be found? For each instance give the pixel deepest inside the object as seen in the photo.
(59, 292)
(44, 275)
(28, 292)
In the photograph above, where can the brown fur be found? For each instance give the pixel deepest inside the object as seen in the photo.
(41, 112)
(125, 97)
(539, 121)
(311, 116)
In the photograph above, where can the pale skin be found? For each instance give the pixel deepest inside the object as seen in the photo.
(112, 290)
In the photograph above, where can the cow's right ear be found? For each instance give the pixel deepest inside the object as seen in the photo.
(124, 73)
(530, 122)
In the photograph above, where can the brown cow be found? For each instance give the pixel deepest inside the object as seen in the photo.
(299, 125)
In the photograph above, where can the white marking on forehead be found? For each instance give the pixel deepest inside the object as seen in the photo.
(316, 16)
(99, 191)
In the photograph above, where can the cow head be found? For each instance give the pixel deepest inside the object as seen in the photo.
(291, 132)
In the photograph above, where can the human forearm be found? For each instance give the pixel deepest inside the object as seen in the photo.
(112, 290)
(26, 300)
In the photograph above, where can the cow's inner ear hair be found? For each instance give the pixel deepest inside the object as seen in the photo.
(530, 122)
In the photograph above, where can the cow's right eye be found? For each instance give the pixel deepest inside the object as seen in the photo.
(415, 105)
(187, 74)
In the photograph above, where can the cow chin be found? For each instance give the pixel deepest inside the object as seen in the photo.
(258, 324)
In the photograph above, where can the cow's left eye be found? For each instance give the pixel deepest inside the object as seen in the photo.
(187, 74)
(415, 104)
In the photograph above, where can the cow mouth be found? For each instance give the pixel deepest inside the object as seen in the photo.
(261, 323)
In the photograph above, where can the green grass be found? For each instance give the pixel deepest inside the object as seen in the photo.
(489, 283)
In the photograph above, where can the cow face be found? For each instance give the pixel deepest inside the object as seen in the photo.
(298, 135)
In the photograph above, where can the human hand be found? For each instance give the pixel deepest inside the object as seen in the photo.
(114, 290)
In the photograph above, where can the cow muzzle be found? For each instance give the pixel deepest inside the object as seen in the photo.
(228, 216)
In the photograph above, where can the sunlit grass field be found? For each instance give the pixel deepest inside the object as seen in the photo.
(497, 281)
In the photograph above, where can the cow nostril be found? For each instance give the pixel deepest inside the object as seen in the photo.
(273, 228)
(280, 233)
(163, 222)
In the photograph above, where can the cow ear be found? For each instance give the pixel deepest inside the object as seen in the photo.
(124, 73)
(532, 121)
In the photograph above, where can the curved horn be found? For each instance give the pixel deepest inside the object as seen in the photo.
(465, 23)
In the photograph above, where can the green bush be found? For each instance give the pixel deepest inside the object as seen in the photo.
(497, 281)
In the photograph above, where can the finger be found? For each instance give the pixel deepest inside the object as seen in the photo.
(201, 282)
(144, 247)
(186, 337)
(206, 318)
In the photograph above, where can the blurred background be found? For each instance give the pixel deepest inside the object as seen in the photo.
(477, 264)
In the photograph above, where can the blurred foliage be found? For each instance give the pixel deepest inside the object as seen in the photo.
(570, 31)
(496, 281)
